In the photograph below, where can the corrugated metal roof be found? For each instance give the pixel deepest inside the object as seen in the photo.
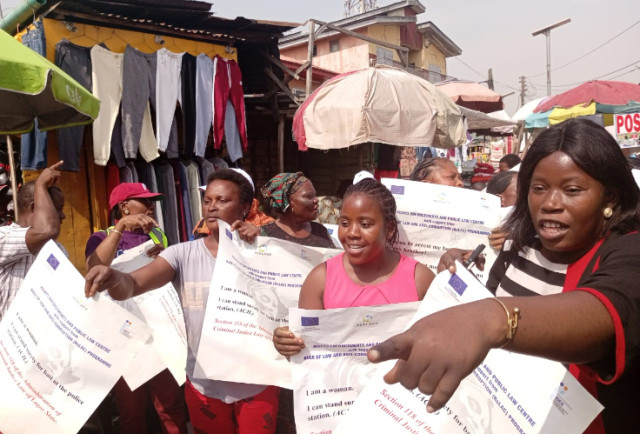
(193, 19)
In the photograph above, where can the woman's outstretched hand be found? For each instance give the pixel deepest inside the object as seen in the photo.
(440, 350)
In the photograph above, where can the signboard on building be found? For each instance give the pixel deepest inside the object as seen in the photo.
(627, 129)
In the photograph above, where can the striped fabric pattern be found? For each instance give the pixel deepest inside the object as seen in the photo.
(527, 272)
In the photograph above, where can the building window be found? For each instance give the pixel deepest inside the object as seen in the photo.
(334, 46)
(315, 50)
(384, 56)
(435, 74)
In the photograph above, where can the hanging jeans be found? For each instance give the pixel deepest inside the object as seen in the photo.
(34, 143)
(75, 61)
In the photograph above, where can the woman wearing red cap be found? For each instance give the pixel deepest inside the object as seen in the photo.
(132, 209)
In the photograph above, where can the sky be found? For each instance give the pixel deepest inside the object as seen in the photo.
(497, 34)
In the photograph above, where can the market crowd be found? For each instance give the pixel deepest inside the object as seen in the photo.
(564, 279)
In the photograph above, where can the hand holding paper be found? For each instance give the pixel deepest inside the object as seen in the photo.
(286, 342)
(449, 258)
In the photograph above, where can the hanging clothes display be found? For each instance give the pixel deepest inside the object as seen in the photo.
(231, 134)
(182, 227)
(408, 161)
(147, 176)
(186, 199)
(194, 192)
(205, 168)
(33, 145)
(188, 104)
(106, 78)
(166, 185)
(204, 102)
(227, 85)
(138, 91)
(75, 61)
(168, 91)
(132, 86)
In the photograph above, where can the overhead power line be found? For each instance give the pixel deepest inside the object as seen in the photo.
(484, 77)
(598, 77)
(590, 51)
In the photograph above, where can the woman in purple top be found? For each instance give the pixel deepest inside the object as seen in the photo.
(132, 208)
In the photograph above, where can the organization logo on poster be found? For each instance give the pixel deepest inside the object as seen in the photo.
(124, 330)
(366, 321)
(442, 197)
(263, 250)
(304, 255)
(559, 402)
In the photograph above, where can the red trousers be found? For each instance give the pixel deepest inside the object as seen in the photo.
(167, 398)
(254, 415)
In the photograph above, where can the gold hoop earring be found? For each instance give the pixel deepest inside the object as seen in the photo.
(608, 212)
(126, 211)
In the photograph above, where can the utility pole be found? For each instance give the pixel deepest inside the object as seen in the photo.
(546, 31)
(523, 89)
(490, 79)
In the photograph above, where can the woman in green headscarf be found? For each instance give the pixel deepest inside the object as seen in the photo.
(293, 202)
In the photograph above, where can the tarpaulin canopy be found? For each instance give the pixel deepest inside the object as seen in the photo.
(603, 92)
(498, 122)
(380, 104)
(472, 95)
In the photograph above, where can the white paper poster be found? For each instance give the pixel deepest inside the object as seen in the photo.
(434, 218)
(252, 289)
(332, 368)
(162, 311)
(60, 353)
(508, 392)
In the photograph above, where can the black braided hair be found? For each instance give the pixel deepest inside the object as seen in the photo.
(424, 168)
(381, 195)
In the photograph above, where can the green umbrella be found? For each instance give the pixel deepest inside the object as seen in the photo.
(31, 86)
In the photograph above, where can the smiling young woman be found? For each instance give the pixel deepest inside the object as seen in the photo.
(573, 239)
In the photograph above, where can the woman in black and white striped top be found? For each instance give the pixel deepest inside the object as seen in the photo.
(572, 238)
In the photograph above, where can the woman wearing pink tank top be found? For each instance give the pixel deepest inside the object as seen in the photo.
(369, 272)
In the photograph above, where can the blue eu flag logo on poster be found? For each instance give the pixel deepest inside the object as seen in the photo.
(457, 284)
(53, 261)
(308, 321)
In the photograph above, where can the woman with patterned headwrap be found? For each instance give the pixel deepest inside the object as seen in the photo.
(293, 202)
